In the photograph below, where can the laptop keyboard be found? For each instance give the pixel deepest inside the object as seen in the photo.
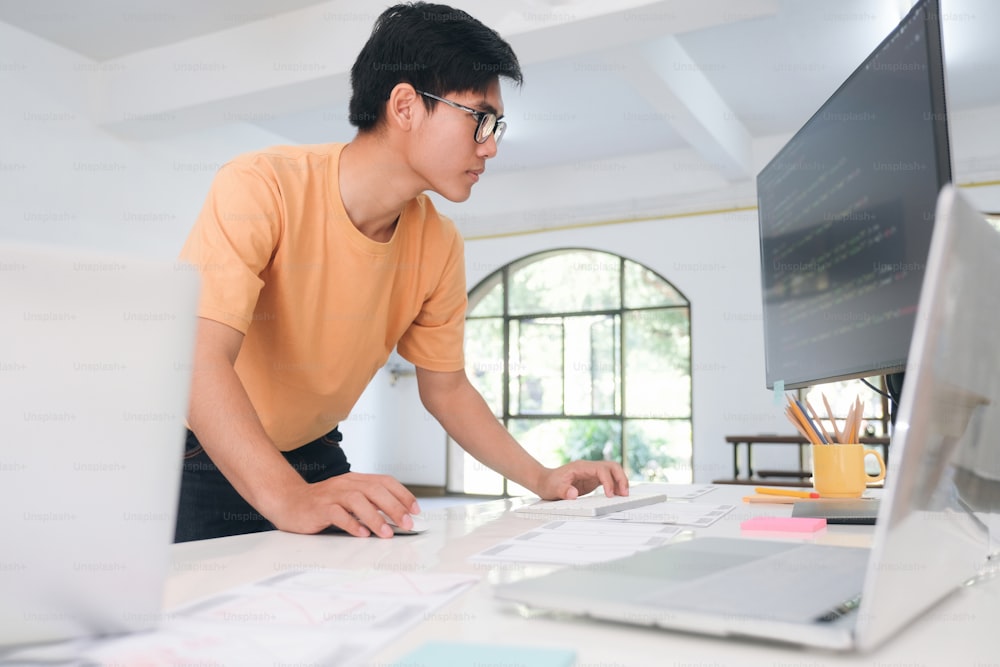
(800, 585)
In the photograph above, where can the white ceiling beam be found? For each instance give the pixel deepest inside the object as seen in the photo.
(301, 60)
(677, 88)
(565, 31)
(258, 70)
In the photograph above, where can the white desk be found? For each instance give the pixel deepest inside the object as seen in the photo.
(961, 630)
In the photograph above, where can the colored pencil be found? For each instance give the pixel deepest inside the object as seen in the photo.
(833, 421)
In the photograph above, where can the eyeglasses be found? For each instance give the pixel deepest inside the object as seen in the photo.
(488, 123)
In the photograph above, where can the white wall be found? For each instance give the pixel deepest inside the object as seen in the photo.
(65, 180)
(389, 432)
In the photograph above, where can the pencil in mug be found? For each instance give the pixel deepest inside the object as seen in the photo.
(858, 415)
(801, 422)
(795, 422)
(809, 421)
(798, 427)
(837, 436)
(817, 424)
(852, 425)
(802, 425)
(849, 427)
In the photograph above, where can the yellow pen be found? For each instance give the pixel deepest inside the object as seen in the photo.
(786, 492)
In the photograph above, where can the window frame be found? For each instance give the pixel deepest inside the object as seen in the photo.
(503, 277)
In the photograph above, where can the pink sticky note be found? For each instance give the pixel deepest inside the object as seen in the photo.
(784, 524)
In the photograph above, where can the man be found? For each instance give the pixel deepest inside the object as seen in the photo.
(316, 261)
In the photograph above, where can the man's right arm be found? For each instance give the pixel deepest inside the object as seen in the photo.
(227, 426)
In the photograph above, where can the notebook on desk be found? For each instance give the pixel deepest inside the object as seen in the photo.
(95, 366)
(927, 541)
(859, 511)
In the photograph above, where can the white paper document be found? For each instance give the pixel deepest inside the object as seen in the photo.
(675, 513)
(577, 542)
(315, 617)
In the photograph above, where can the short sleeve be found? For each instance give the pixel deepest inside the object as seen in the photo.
(436, 337)
(233, 241)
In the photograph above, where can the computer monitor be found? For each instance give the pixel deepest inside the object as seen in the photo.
(846, 211)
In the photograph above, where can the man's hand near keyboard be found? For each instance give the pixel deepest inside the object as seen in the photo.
(591, 505)
(580, 478)
(463, 413)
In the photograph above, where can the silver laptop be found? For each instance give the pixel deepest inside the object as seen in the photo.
(928, 540)
(95, 365)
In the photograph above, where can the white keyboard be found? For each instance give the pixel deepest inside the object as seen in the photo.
(596, 504)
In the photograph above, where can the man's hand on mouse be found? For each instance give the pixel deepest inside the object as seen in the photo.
(353, 501)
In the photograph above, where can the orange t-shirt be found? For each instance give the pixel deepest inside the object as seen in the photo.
(321, 305)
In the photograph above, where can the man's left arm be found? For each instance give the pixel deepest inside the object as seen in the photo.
(458, 406)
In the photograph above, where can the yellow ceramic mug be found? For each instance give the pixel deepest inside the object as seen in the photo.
(839, 470)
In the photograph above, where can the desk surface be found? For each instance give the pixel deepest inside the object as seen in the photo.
(961, 630)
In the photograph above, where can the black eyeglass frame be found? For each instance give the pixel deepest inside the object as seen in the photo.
(483, 119)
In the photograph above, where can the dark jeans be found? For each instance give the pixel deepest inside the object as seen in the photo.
(210, 506)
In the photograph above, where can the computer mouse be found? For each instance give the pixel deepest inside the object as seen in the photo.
(419, 525)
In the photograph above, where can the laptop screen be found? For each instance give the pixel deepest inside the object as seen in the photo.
(945, 458)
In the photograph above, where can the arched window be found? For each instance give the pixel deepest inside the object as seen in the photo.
(582, 354)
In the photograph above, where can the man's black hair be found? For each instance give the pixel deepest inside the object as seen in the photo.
(435, 48)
